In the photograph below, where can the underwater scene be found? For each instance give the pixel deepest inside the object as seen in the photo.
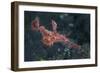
(56, 36)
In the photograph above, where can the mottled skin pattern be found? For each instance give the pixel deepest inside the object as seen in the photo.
(51, 37)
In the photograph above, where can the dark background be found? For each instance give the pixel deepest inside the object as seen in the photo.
(75, 25)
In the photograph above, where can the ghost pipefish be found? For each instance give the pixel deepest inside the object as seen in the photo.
(51, 37)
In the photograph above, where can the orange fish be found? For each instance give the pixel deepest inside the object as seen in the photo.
(51, 37)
